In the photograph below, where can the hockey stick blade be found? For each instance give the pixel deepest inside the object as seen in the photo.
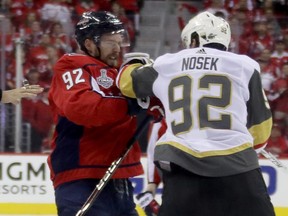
(274, 160)
(113, 167)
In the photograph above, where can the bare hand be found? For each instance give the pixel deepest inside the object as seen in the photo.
(15, 95)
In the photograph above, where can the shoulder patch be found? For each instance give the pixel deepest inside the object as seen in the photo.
(103, 80)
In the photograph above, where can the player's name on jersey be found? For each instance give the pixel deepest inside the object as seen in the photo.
(199, 63)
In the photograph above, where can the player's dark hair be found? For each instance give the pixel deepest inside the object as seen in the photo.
(195, 36)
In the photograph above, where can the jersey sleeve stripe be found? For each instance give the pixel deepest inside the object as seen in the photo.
(261, 132)
(124, 81)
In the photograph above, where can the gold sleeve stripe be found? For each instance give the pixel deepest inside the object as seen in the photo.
(125, 83)
(207, 153)
(261, 132)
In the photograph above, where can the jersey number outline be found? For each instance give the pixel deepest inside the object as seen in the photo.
(68, 78)
(204, 103)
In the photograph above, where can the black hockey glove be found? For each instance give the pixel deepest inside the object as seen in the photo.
(153, 107)
(133, 107)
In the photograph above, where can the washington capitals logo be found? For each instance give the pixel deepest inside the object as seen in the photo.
(104, 80)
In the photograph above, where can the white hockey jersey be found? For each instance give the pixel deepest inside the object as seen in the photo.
(215, 109)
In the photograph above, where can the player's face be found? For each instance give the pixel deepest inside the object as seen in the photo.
(110, 48)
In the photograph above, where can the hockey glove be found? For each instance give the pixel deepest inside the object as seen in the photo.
(148, 203)
(133, 107)
(136, 57)
(153, 106)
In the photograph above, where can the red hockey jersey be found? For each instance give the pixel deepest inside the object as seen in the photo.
(92, 124)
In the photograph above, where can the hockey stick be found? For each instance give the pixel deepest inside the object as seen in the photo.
(113, 167)
(274, 160)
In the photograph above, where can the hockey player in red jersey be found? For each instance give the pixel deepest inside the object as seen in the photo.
(93, 122)
(217, 115)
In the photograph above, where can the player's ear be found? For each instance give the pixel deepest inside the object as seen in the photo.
(89, 45)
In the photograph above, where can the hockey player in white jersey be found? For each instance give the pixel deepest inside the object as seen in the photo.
(217, 117)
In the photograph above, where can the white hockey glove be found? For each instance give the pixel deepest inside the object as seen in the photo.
(148, 203)
(136, 57)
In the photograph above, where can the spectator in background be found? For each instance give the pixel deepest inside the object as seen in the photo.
(259, 40)
(53, 56)
(272, 23)
(83, 6)
(39, 58)
(19, 10)
(38, 114)
(29, 19)
(132, 11)
(217, 6)
(11, 69)
(279, 56)
(285, 38)
(268, 76)
(59, 38)
(34, 34)
(56, 11)
(232, 5)
(119, 11)
(241, 27)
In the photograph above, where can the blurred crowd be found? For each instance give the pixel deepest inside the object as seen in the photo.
(259, 28)
(46, 29)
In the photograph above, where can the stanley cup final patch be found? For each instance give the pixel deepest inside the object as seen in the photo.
(103, 80)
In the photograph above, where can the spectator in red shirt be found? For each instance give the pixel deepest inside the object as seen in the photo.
(40, 60)
(260, 40)
(34, 34)
(132, 11)
(85, 5)
(119, 11)
(37, 112)
(279, 56)
(59, 38)
(19, 10)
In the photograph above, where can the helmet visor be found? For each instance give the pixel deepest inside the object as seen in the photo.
(122, 41)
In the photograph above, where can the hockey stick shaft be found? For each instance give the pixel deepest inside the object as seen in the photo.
(113, 167)
(274, 160)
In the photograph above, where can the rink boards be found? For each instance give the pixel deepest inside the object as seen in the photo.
(25, 187)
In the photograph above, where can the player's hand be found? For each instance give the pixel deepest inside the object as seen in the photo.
(136, 57)
(148, 203)
(133, 107)
(153, 106)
